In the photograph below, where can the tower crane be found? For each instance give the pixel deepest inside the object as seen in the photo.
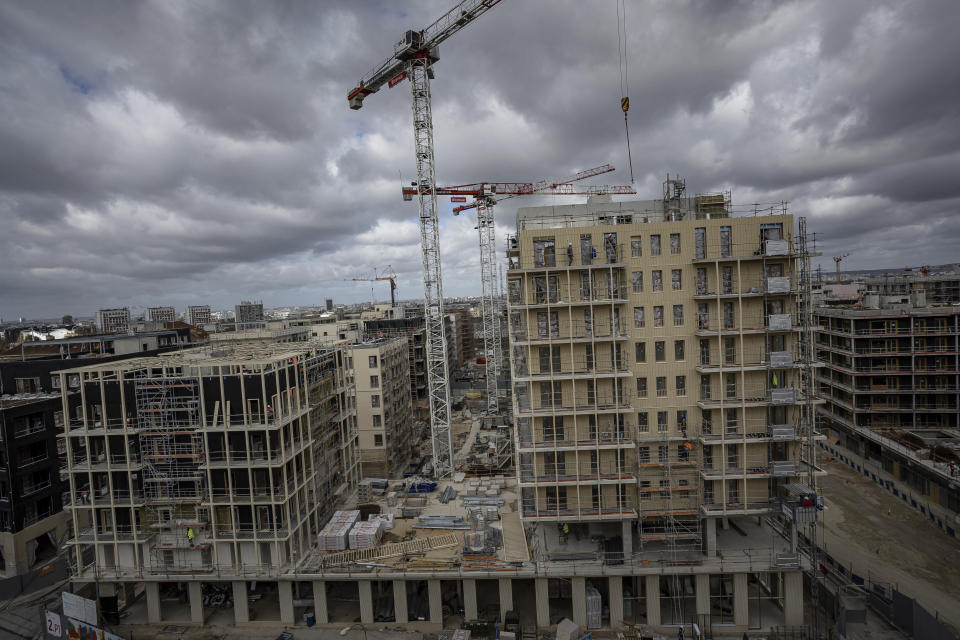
(485, 195)
(388, 275)
(413, 58)
(837, 259)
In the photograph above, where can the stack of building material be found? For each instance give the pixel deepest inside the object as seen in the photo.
(334, 536)
(441, 522)
(365, 535)
(385, 520)
(594, 607)
(368, 488)
(412, 506)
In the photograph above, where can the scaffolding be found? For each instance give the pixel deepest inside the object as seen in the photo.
(171, 444)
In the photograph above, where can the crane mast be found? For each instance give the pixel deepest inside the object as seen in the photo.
(413, 58)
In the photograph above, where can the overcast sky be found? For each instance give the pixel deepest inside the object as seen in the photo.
(182, 153)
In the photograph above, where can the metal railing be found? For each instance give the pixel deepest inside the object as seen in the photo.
(576, 256)
(569, 331)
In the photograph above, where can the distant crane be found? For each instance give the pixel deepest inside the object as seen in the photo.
(837, 259)
(387, 274)
(485, 195)
(413, 58)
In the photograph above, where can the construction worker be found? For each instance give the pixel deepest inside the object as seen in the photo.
(569, 254)
(190, 535)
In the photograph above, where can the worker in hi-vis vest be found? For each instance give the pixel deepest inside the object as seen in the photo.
(190, 535)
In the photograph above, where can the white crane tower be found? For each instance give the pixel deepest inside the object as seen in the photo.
(413, 58)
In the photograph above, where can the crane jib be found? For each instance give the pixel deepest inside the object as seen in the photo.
(397, 79)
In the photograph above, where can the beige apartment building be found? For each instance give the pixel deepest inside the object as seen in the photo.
(384, 406)
(656, 353)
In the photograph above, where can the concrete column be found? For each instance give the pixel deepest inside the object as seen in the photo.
(366, 601)
(506, 597)
(285, 595)
(196, 602)
(469, 599)
(400, 601)
(653, 600)
(615, 587)
(627, 538)
(579, 600)
(793, 599)
(241, 607)
(703, 593)
(543, 602)
(711, 536)
(740, 612)
(153, 601)
(320, 601)
(436, 602)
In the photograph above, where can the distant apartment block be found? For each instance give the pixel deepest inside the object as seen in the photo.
(328, 304)
(384, 406)
(890, 383)
(247, 314)
(159, 314)
(113, 320)
(198, 315)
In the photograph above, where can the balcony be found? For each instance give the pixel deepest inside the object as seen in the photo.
(752, 432)
(606, 440)
(582, 403)
(579, 257)
(747, 395)
(733, 252)
(571, 331)
(23, 463)
(602, 474)
(716, 324)
(737, 473)
(29, 429)
(30, 488)
(598, 368)
(566, 295)
(562, 512)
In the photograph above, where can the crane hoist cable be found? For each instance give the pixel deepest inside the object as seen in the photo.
(624, 74)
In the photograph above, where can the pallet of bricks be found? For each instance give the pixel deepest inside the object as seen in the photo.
(335, 536)
(369, 489)
(485, 487)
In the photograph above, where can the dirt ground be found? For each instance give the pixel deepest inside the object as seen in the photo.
(867, 528)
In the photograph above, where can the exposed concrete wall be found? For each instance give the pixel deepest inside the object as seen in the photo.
(615, 587)
(793, 598)
(436, 601)
(241, 607)
(366, 601)
(470, 599)
(703, 593)
(153, 601)
(543, 602)
(285, 593)
(506, 597)
(196, 602)
(400, 609)
(579, 600)
(740, 611)
(320, 601)
(653, 600)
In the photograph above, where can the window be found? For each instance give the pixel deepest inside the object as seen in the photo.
(643, 424)
(731, 420)
(681, 385)
(660, 350)
(636, 279)
(704, 351)
(678, 349)
(676, 276)
(374, 401)
(550, 359)
(726, 242)
(706, 421)
(544, 252)
(703, 316)
(643, 455)
(661, 386)
(726, 280)
(655, 245)
(610, 247)
(701, 281)
(585, 289)
(54, 382)
(587, 356)
(682, 421)
(378, 439)
(658, 316)
(700, 238)
(374, 381)
(372, 362)
(731, 385)
(636, 247)
(728, 315)
(553, 428)
(678, 315)
(662, 421)
(733, 457)
(733, 492)
(705, 388)
(377, 420)
(638, 319)
(675, 243)
(729, 350)
(641, 352)
(548, 324)
(663, 453)
(657, 280)
(641, 387)
(28, 385)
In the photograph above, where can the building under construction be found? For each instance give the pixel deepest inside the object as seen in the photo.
(208, 463)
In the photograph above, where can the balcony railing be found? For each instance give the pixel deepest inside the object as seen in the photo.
(34, 487)
(576, 256)
(583, 402)
(746, 394)
(29, 429)
(571, 294)
(569, 331)
(745, 250)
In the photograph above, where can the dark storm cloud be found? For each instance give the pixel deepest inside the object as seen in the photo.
(168, 152)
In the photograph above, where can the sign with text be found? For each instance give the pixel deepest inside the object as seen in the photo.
(79, 608)
(54, 630)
